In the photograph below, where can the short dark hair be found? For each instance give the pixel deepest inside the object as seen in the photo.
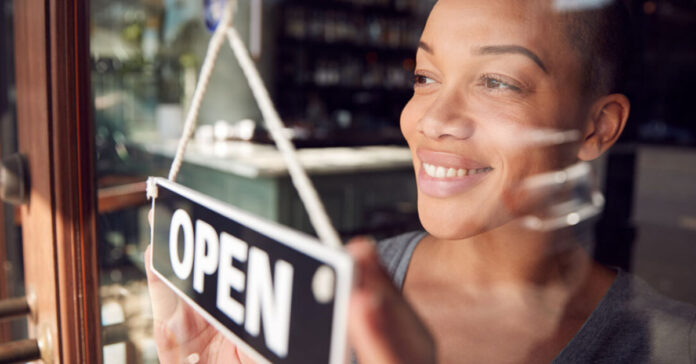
(602, 37)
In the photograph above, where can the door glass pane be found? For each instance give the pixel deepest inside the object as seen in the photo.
(341, 73)
(11, 270)
(145, 59)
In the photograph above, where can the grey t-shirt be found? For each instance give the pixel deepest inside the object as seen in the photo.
(632, 324)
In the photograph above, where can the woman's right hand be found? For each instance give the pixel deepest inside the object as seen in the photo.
(181, 334)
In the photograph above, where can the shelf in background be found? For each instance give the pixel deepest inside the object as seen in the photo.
(345, 47)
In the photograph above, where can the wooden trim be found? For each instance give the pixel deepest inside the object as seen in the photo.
(5, 333)
(4, 326)
(5, 329)
(33, 140)
(56, 133)
(74, 180)
(120, 197)
(17, 216)
(110, 199)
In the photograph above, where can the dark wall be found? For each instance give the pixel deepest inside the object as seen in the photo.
(663, 72)
(7, 131)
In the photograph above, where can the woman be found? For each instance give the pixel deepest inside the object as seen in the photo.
(495, 83)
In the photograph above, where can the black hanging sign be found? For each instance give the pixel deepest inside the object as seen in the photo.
(275, 292)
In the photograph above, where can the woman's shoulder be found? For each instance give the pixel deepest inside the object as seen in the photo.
(636, 297)
(635, 323)
(395, 253)
(668, 320)
(669, 326)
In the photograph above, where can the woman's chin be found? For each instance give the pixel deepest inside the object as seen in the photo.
(443, 228)
(447, 224)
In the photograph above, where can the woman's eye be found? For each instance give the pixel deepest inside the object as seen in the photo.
(421, 80)
(496, 84)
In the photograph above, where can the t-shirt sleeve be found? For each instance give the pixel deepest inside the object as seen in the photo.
(395, 254)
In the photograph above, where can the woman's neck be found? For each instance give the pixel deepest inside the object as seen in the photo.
(512, 256)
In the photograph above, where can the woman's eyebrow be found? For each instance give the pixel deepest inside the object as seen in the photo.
(424, 46)
(515, 49)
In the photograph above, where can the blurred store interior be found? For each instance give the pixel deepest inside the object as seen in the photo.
(340, 72)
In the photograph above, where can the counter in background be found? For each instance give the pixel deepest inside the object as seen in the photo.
(366, 190)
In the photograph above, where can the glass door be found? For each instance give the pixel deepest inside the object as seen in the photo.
(144, 61)
(93, 94)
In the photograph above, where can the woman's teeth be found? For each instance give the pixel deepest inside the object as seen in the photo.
(444, 172)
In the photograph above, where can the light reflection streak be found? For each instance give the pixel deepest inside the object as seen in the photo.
(579, 5)
(586, 212)
(573, 173)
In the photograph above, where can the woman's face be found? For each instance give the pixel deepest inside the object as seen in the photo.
(492, 79)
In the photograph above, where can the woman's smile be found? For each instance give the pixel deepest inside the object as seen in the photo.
(444, 174)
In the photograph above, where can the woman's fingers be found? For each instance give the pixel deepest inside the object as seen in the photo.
(383, 328)
(164, 300)
(243, 358)
(175, 323)
(164, 307)
(180, 333)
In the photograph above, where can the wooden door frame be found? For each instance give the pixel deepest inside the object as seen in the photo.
(55, 133)
(4, 326)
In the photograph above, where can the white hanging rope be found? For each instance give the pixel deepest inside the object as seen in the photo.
(206, 71)
(308, 195)
(315, 209)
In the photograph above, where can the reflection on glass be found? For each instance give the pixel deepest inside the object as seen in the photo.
(344, 74)
(138, 82)
(145, 60)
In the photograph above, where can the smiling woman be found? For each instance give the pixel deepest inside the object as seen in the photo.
(511, 101)
(489, 76)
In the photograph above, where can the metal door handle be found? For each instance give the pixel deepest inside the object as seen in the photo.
(14, 307)
(14, 180)
(20, 351)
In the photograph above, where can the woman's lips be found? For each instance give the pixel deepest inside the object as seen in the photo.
(445, 174)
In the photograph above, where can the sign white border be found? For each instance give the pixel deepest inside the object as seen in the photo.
(299, 241)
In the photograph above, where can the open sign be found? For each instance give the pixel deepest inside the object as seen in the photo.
(274, 291)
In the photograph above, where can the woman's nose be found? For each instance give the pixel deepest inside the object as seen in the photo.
(446, 118)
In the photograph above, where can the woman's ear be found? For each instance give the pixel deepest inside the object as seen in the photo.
(606, 122)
